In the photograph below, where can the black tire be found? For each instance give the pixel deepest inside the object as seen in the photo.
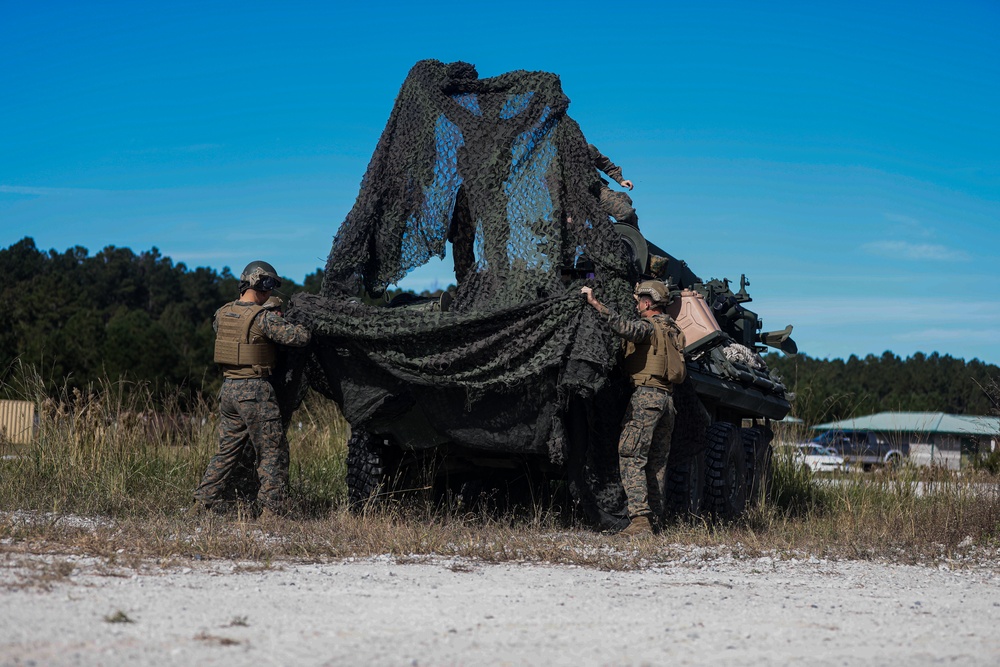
(726, 472)
(686, 487)
(367, 468)
(760, 469)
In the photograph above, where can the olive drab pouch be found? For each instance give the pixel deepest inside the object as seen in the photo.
(676, 368)
(660, 361)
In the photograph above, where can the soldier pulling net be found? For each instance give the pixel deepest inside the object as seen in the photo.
(497, 169)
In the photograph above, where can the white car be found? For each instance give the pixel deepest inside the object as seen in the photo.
(817, 458)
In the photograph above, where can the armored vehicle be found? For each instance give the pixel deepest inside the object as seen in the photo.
(722, 463)
(510, 383)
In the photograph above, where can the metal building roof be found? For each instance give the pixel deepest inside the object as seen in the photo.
(918, 422)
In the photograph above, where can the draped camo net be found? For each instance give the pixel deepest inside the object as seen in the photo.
(493, 173)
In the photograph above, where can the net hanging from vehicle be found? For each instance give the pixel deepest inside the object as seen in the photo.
(497, 170)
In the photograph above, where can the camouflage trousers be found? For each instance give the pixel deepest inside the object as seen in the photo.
(643, 450)
(252, 458)
(619, 206)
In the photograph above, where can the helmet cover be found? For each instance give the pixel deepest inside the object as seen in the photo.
(259, 275)
(655, 290)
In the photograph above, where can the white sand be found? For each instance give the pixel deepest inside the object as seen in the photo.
(460, 612)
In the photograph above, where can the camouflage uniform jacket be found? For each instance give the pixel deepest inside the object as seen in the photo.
(604, 164)
(644, 443)
(273, 326)
(640, 331)
(636, 331)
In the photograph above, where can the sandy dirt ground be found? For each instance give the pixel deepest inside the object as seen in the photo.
(695, 610)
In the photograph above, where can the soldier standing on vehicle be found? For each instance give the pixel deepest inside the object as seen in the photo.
(248, 332)
(654, 359)
(616, 204)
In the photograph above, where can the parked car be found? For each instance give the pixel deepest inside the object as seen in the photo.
(817, 458)
(864, 448)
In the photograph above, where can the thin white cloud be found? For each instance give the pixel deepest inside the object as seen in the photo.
(870, 310)
(909, 225)
(44, 192)
(181, 256)
(904, 219)
(173, 150)
(871, 324)
(282, 231)
(940, 335)
(915, 251)
(197, 148)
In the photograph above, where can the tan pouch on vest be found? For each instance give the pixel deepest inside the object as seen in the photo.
(660, 362)
(676, 368)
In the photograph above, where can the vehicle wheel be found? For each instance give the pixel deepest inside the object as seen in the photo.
(893, 461)
(368, 468)
(726, 472)
(760, 469)
(685, 487)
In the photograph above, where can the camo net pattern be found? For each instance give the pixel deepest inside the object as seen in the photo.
(494, 173)
(494, 165)
(744, 355)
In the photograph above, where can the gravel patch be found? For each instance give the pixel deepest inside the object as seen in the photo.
(416, 610)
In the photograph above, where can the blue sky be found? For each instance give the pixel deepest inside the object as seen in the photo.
(845, 158)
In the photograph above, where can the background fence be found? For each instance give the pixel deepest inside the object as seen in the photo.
(17, 421)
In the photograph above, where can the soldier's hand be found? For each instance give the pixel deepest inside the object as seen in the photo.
(627, 184)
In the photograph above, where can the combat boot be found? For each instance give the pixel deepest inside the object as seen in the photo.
(639, 526)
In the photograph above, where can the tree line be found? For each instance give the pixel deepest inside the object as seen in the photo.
(829, 390)
(79, 319)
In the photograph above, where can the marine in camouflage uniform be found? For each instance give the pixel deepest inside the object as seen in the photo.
(252, 459)
(244, 481)
(616, 204)
(644, 444)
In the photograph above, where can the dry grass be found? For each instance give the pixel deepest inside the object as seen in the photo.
(118, 617)
(115, 451)
(97, 455)
(35, 573)
(215, 639)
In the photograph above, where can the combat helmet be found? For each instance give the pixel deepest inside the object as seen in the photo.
(259, 275)
(656, 291)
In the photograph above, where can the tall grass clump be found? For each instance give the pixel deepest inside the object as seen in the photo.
(795, 491)
(908, 514)
(317, 438)
(914, 511)
(108, 449)
(119, 449)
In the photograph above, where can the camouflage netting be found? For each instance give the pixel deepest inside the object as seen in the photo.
(495, 168)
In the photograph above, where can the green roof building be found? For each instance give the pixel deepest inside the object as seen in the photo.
(935, 438)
